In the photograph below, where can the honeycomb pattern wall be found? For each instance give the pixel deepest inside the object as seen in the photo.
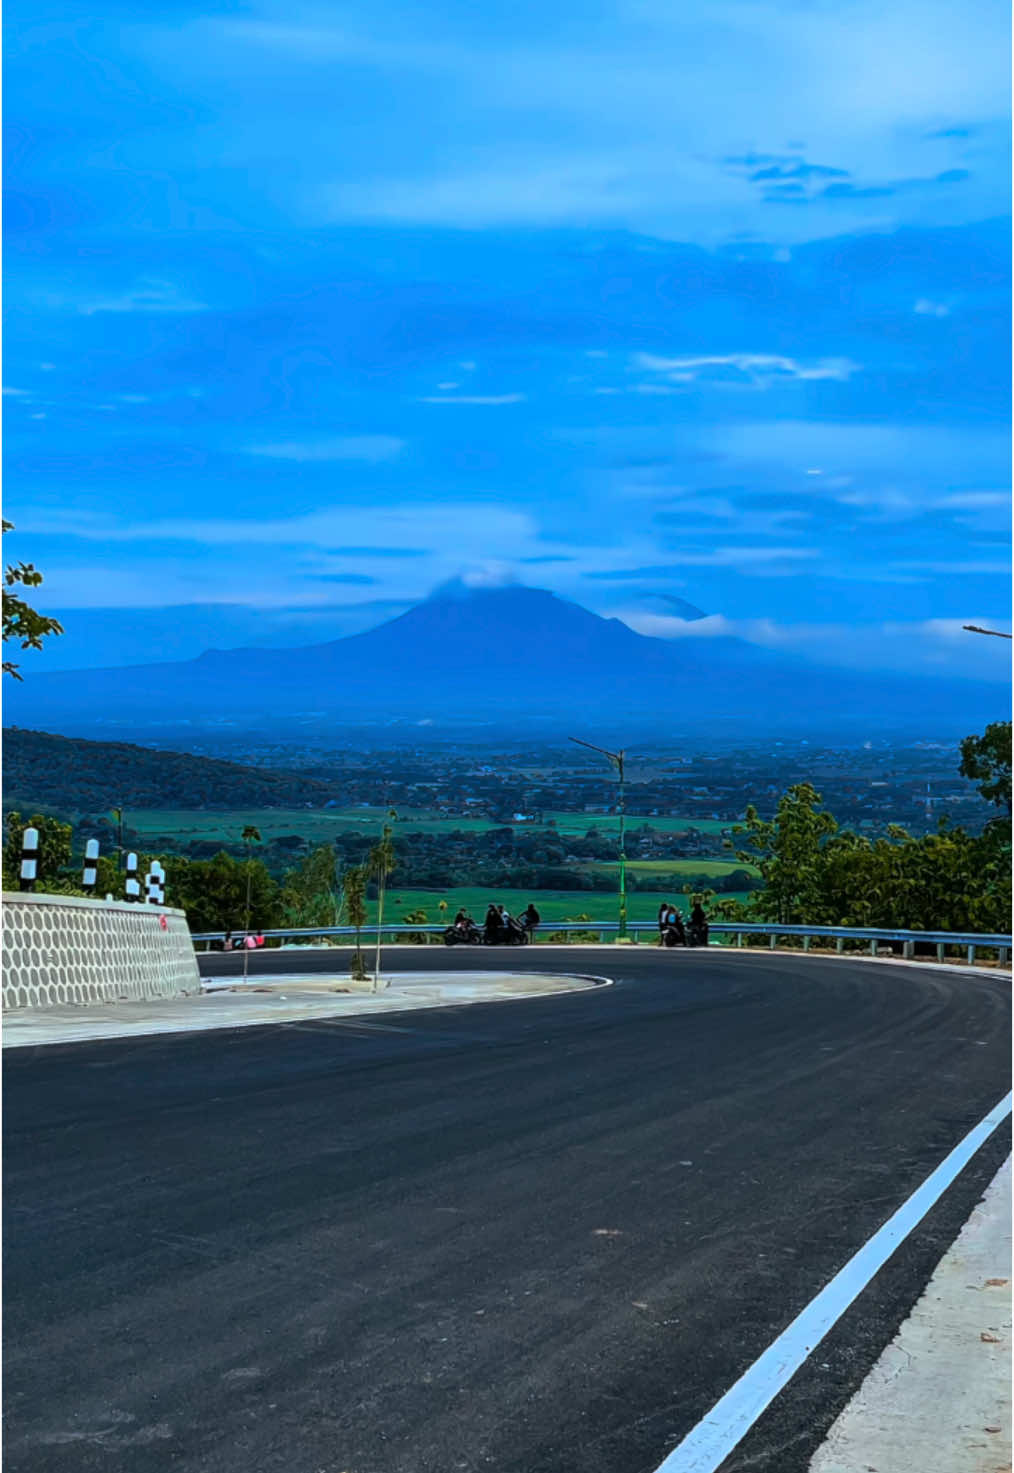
(63, 949)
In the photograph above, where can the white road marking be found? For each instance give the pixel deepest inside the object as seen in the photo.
(707, 1446)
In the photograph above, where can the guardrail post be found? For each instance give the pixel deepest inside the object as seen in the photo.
(806, 943)
(940, 951)
(1001, 956)
(839, 944)
(873, 946)
(771, 941)
(739, 938)
(908, 950)
(971, 956)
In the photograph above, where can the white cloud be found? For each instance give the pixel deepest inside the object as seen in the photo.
(934, 644)
(667, 626)
(973, 500)
(926, 308)
(473, 399)
(958, 569)
(15, 393)
(145, 296)
(342, 447)
(760, 368)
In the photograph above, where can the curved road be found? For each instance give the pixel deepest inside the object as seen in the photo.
(542, 1236)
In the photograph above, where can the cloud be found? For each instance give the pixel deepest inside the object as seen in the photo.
(716, 557)
(15, 393)
(356, 579)
(902, 645)
(145, 296)
(490, 399)
(344, 447)
(762, 369)
(926, 308)
(957, 568)
(799, 170)
(973, 500)
(858, 191)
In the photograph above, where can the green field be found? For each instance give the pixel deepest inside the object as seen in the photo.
(580, 823)
(552, 905)
(318, 826)
(712, 867)
(322, 825)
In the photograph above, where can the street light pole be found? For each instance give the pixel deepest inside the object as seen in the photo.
(617, 759)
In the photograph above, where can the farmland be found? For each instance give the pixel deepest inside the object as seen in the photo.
(552, 905)
(320, 826)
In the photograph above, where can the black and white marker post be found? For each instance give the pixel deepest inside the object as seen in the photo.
(154, 882)
(29, 858)
(90, 874)
(132, 889)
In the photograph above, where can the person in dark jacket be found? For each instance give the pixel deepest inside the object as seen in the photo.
(493, 925)
(530, 918)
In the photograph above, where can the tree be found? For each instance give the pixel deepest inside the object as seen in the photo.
(986, 760)
(380, 864)
(20, 621)
(250, 836)
(223, 893)
(355, 904)
(786, 850)
(308, 895)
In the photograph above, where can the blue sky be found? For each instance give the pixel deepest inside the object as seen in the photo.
(311, 308)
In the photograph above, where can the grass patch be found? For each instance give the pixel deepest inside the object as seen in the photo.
(552, 905)
(320, 825)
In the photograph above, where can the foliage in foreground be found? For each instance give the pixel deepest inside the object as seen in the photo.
(815, 872)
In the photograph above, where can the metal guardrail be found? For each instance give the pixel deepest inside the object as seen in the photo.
(969, 942)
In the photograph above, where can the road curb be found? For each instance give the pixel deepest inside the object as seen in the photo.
(940, 1395)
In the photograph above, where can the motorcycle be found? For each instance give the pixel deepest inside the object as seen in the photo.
(673, 936)
(467, 935)
(513, 934)
(697, 933)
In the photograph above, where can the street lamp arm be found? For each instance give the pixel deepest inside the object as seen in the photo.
(972, 629)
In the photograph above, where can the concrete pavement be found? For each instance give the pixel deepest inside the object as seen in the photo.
(270, 997)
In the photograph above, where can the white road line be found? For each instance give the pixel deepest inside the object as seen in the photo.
(730, 1419)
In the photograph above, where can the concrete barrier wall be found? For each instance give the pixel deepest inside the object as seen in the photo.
(62, 949)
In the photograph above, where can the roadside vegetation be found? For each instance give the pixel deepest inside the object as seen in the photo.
(805, 866)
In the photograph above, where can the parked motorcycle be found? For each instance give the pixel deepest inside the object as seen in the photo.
(697, 933)
(467, 935)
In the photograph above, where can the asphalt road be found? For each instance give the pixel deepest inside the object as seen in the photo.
(539, 1236)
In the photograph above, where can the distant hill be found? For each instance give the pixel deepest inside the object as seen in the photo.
(510, 656)
(69, 775)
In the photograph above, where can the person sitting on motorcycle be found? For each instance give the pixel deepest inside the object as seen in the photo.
(461, 920)
(662, 911)
(674, 922)
(530, 918)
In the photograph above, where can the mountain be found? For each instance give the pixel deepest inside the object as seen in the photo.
(513, 657)
(69, 775)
